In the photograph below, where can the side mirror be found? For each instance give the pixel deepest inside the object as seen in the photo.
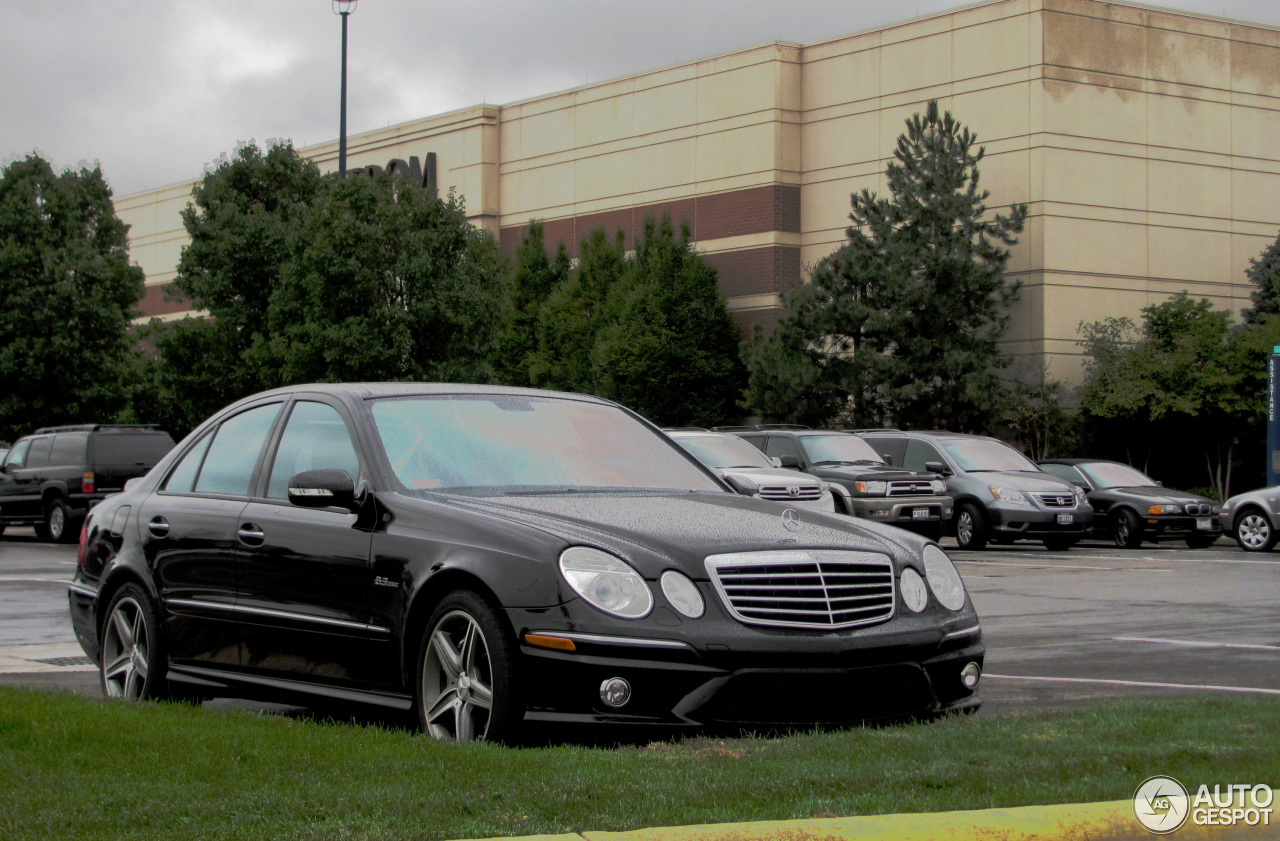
(777, 462)
(937, 467)
(789, 462)
(323, 489)
(746, 487)
(886, 458)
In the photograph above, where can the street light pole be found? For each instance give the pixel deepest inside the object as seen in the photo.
(343, 8)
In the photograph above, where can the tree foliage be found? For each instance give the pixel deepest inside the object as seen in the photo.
(904, 320)
(1264, 274)
(533, 279)
(314, 278)
(649, 330)
(67, 295)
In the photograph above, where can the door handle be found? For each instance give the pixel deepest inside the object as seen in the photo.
(251, 535)
(158, 526)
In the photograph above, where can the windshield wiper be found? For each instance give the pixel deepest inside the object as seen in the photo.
(833, 461)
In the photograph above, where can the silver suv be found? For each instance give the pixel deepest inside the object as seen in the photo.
(1000, 495)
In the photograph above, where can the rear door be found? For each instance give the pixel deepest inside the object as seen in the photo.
(189, 535)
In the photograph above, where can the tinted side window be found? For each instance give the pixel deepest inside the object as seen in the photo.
(756, 441)
(1063, 471)
(183, 477)
(893, 450)
(69, 448)
(228, 467)
(778, 446)
(18, 455)
(39, 455)
(919, 452)
(315, 438)
(144, 448)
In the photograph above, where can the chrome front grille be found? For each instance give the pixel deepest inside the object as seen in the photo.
(817, 589)
(1056, 500)
(910, 489)
(794, 493)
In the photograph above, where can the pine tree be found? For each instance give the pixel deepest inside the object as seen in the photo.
(1264, 273)
(534, 278)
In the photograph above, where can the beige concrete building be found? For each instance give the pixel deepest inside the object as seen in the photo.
(1146, 142)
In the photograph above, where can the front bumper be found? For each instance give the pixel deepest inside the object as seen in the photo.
(902, 511)
(1012, 522)
(833, 678)
(1180, 526)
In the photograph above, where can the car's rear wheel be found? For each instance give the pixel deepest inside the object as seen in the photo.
(1254, 532)
(1060, 544)
(971, 527)
(132, 659)
(57, 521)
(466, 677)
(1127, 529)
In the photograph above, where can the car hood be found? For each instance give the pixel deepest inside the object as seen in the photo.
(873, 472)
(1156, 494)
(1043, 483)
(771, 475)
(652, 530)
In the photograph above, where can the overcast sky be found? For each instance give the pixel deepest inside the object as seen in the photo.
(154, 90)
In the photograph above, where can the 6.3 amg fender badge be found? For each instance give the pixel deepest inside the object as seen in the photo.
(380, 581)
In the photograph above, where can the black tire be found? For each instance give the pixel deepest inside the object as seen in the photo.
(971, 527)
(42, 530)
(1060, 543)
(466, 682)
(132, 658)
(1126, 529)
(1254, 530)
(1202, 541)
(58, 522)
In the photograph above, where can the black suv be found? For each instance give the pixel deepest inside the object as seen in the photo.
(862, 483)
(49, 480)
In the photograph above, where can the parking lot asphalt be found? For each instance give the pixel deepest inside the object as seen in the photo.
(1061, 628)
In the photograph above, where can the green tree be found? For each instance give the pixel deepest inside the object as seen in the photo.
(533, 279)
(914, 304)
(306, 277)
(1264, 274)
(575, 313)
(67, 296)
(669, 349)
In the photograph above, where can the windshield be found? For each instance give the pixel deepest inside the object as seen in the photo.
(840, 447)
(516, 443)
(723, 451)
(1115, 476)
(984, 455)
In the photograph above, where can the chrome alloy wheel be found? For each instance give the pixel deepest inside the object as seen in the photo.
(126, 651)
(1254, 531)
(964, 528)
(1123, 535)
(57, 523)
(457, 679)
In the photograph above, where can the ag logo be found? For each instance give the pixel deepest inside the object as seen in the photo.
(1161, 804)
(790, 520)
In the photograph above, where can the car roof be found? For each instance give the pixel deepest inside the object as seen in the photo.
(924, 433)
(368, 391)
(1075, 461)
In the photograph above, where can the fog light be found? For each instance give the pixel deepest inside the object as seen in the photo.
(968, 676)
(616, 692)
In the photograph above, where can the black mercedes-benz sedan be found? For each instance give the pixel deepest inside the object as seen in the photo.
(494, 556)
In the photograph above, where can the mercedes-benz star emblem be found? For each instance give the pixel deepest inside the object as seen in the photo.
(790, 520)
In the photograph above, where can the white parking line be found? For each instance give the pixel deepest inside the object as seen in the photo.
(1197, 644)
(1244, 689)
(1040, 566)
(5, 578)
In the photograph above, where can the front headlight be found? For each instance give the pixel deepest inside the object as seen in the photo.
(1080, 494)
(682, 593)
(914, 594)
(873, 488)
(1165, 509)
(945, 582)
(606, 582)
(939, 486)
(1007, 495)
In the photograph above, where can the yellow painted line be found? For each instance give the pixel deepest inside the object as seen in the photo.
(1067, 822)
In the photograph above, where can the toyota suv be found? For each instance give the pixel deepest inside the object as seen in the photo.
(863, 484)
(734, 458)
(50, 480)
(1000, 495)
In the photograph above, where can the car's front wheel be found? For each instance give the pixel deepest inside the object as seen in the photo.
(971, 527)
(1127, 529)
(466, 682)
(132, 660)
(1254, 532)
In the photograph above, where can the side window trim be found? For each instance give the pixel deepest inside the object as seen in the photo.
(211, 435)
(202, 441)
(262, 473)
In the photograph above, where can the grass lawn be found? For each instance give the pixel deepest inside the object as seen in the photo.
(74, 767)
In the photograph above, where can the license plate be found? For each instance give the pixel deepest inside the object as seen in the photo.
(919, 513)
(1204, 523)
(1066, 519)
